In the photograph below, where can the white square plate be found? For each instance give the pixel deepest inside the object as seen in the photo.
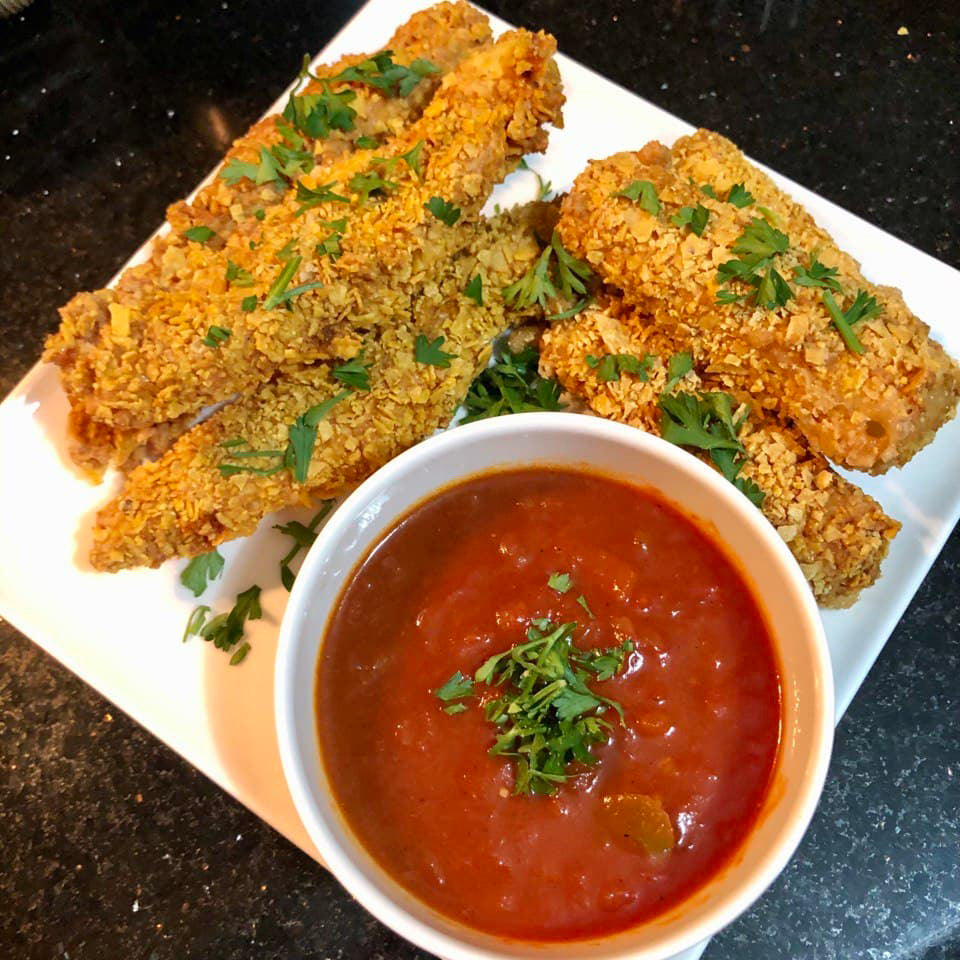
(121, 632)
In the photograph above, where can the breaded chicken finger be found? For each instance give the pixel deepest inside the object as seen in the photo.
(342, 257)
(183, 504)
(843, 359)
(838, 534)
(440, 36)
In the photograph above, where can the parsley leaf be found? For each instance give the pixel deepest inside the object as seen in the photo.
(199, 234)
(226, 630)
(693, 217)
(759, 239)
(367, 183)
(428, 352)
(302, 434)
(474, 289)
(545, 716)
(445, 212)
(568, 278)
(381, 73)
(679, 365)
(368, 143)
(570, 273)
(280, 291)
(215, 336)
(313, 196)
(816, 275)
(239, 277)
(561, 582)
(863, 308)
(582, 600)
(303, 536)
(456, 688)
(200, 570)
(330, 245)
(354, 373)
(757, 245)
(511, 385)
(705, 421)
(534, 286)
(644, 192)
(611, 365)
(740, 196)
(248, 304)
(544, 187)
(707, 190)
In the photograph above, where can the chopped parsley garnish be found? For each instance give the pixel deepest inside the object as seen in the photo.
(367, 183)
(568, 278)
(215, 336)
(225, 630)
(317, 113)
(303, 437)
(474, 290)
(511, 385)
(611, 365)
(330, 245)
(545, 716)
(238, 277)
(313, 196)
(354, 373)
(740, 196)
(578, 307)
(707, 190)
(693, 217)
(368, 143)
(816, 275)
(444, 211)
(678, 366)
(561, 582)
(199, 234)
(259, 213)
(863, 308)
(429, 352)
(544, 187)
(287, 250)
(412, 159)
(200, 571)
(295, 457)
(381, 73)
(281, 291)
(303, 536)
(248, 304)
(757, 246)
(644, 192)
(705, 421)
(582, 600)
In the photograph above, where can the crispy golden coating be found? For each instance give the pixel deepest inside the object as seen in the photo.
(444, 34)
(867, 412)
(838, 534)
(181, 505)
(150, 364)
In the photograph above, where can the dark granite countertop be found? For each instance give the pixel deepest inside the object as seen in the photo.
(112, 846)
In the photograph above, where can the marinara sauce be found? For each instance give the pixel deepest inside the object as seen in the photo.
(458, 580)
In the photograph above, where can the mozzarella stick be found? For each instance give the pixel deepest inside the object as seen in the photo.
(838, 534)
(866, 394)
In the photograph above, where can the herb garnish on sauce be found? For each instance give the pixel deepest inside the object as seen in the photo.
(545, 715)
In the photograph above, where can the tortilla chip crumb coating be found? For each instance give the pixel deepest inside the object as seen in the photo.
(838, 534)
(151, 365)
(867, 412)
(181, 505)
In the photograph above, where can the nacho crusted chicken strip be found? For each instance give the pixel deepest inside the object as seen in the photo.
(868, 411)
(487, 114)
(838, 534)
(182, 505)
(442, 35)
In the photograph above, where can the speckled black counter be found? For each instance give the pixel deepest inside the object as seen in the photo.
(111, 846)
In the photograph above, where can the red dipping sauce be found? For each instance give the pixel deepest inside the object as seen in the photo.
(459, 579)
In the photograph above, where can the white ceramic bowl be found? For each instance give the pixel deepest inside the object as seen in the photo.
(567, 440)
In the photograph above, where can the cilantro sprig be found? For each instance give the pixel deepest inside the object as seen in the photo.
(705, 421)
(201, 570)
(511, 385)
(443, 210)
(303, 536)
(642, 192)
(758, 246)
(545, 715)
